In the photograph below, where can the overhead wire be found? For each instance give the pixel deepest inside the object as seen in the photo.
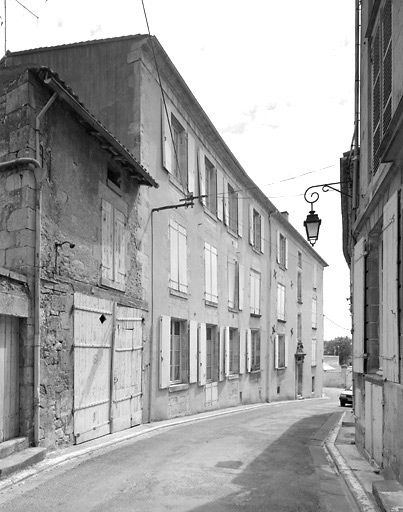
(341, 327)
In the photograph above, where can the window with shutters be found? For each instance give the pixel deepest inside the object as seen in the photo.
(233, 351)
(114, 247)
(255, 349)
(232, 209)
(179, 152)
(381, 60)
(313, 351)
(255, 291)
(211, 273)
(179, 352)
(280, 351)
(281, 302)
(256, 227)
(314, 313)
(212, 353)
(211, 186)
(235, 279)
(282, 250)
(178, 258)
(372, 311)
(299, 327)
(299, 287)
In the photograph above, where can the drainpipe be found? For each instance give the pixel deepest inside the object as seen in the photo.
(356, 141)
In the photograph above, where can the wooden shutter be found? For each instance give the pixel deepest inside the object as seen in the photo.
(120, 248)
(240, 209)
(202, 355)
(221, 369)
(107, 240)
(214, 274)
(202, 174)
(262, 234)
(166, 140)
(358, 305)
(226, 202)
(207, 270)
(174, 254)
(387, 65)
(193, 351)
(251, 226)
(390, 336)
(226, 349)
(231, 283)
(220, 195)
(192, 167)
(278, 247)
(241, 285)
(248, 350)
(286, 252)
(242, 351)
(276, 352)
(183, 269)
(285, 351)
(165, 348)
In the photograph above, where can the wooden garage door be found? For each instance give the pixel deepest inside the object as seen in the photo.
(9, 377)
(107, 367)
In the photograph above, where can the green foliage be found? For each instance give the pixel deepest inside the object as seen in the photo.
(342, 347)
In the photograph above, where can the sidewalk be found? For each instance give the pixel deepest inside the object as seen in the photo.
(370, 490)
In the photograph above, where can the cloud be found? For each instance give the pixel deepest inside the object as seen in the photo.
(96, 30)
(236, 129)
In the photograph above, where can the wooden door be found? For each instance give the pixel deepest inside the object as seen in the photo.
(93, 322)
(127, 369)
(9, 377)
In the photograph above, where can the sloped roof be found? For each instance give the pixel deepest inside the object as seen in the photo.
(108, 141)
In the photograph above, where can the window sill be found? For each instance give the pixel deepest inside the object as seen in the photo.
(107, 283)
(210, 303)
(299, 301)
(255, 372)
(257, 250)
(281, 368)
(256, 315)
(282, 320)
(177, 184)
(173, 388)
(233, 376)
(114, 187)
(177, 293)
(209, 213)
(232, 310)
(232, 233)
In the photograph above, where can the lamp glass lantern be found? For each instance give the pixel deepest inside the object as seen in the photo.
(312, 225)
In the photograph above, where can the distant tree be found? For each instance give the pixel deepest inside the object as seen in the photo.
(342, 347)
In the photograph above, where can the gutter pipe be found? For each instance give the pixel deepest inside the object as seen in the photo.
(356, 106)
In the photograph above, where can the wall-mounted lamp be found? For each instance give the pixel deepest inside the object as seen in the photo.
(313, 222)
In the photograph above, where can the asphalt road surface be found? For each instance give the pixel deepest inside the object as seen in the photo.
(257, 460)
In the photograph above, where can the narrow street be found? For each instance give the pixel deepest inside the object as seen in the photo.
(257, 460)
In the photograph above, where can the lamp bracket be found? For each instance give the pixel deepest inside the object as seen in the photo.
(314, 196)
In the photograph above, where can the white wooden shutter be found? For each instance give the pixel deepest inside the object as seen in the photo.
(276, 352)
(166, 140)
(226, 348)
(207, 270)
(286, 253)
(202, 355)
(221, 368)
(220, 195)
(241, 286)
(202, 174)
(390, 333)
(191, 164)
(193, 351)
(183, 269)
(120, 248)
(285, 351)
(231, 283)
(165, 348)
(240, 209)
(278, 247)
(226, 202)
(358, 305)
(315, 276)
(248, 350)
(251, 225)
(262, 234)
(214, 274)
(107, 240)
(242, 350)
(174, 254)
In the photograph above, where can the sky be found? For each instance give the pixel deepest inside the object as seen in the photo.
(276, 78)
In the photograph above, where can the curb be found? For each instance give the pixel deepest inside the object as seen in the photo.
(358, 492)
(71, 453)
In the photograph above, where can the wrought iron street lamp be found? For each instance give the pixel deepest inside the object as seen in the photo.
(313, 222)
